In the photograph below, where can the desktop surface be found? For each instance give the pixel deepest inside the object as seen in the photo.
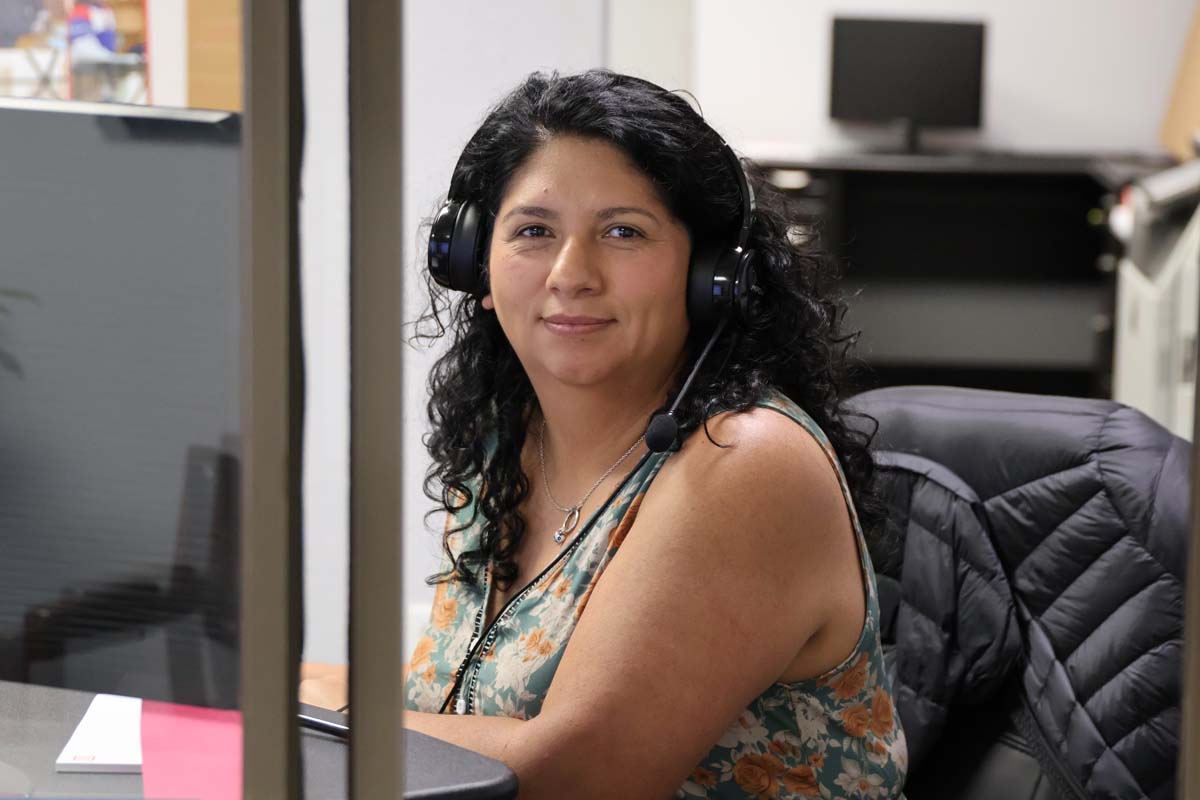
(35, 723)
(434, 769)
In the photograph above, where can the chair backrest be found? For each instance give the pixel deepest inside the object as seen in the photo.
(1085, 503)
(947, 617)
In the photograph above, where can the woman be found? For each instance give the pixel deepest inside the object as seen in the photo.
(616, 622)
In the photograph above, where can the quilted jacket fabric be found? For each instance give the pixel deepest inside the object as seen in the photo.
(1080, 515)
(954, 621)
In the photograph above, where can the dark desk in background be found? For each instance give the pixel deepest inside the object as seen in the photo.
(35, 723)
(993, 270)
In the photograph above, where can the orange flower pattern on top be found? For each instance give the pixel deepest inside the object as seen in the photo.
(758, 774)
(851, 682)
(832, 736)
(856, 719)
(801, 780)
(536, 644)
(445, 611)
(881, 713)
(703, 777)
(422, 651)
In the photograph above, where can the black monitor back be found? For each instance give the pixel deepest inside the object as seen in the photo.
(119, 402)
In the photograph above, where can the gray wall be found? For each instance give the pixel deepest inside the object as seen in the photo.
(1063, 75)
(445, 99)
(655, 41)
(459, 58)
(325, 269)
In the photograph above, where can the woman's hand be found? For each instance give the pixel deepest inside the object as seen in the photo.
(324, 685)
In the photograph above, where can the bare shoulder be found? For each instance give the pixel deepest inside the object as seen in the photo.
(758, 433)
(762, 465)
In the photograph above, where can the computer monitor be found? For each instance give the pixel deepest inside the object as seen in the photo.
(119, 399)
(922, 73)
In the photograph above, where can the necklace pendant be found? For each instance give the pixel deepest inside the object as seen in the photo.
(568, 524)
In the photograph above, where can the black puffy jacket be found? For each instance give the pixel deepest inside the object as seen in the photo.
(1043, 557)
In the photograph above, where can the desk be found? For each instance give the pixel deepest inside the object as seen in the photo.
(35, 723)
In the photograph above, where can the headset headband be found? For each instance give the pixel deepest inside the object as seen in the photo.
(744, 189)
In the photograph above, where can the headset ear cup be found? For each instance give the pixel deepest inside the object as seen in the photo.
(441, 235)
(466, 256)
(714, 286)
(701, 313)
(746, 292)
(455, 255)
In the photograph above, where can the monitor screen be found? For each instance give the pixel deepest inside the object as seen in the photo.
(119, 401)
(928, 72)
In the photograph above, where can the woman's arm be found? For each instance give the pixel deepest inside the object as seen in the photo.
(736, 559)
(327, 685)
(324, 685)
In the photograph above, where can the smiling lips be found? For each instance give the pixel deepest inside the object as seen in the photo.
(571, 325)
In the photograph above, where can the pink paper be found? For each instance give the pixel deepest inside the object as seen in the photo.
(191, 752)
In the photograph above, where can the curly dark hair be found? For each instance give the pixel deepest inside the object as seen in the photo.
(481, 400)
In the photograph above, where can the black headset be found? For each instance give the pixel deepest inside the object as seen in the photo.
(722, 280)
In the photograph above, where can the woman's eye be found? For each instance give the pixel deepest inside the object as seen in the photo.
(532, 231)
(624, 232)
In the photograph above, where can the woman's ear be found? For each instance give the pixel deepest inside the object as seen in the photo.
(487, 303)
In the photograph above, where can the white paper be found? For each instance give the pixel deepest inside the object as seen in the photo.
(107, 739)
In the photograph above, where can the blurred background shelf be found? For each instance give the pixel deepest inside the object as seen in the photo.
(991, 269)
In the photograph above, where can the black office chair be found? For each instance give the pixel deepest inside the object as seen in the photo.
(1034, 623)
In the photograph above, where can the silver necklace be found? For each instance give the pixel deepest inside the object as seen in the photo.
(572, 519)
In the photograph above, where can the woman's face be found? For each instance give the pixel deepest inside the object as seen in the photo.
(589, 269)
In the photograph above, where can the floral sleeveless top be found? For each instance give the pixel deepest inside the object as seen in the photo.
(833, 736)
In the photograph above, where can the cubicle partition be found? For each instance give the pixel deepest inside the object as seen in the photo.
(272, 392)
(376, 341)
